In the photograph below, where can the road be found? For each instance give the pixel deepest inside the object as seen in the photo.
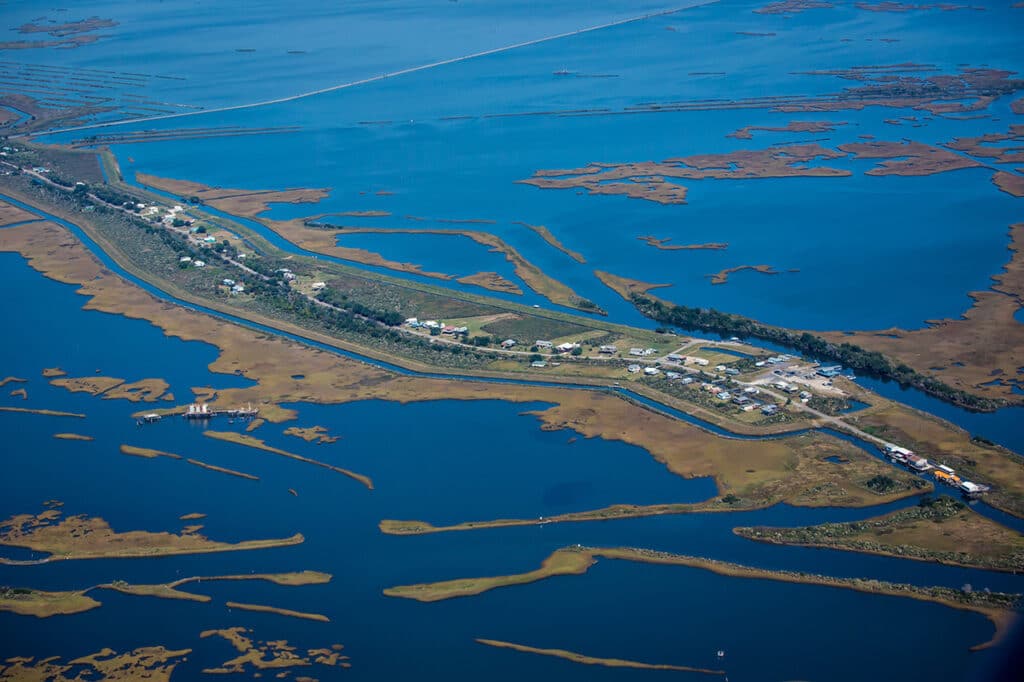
(823, 419)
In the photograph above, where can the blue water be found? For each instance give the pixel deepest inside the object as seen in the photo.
(436, 166)
(447, 254)
(434, 468)
(442, 143)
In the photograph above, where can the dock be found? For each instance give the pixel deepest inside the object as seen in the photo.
(203, 411)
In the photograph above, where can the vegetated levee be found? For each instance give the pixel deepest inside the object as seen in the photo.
(940, 530)
(997, 607)
(743, 469)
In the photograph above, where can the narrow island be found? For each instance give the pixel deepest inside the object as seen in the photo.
(722, 276)
(72, 436)
(548, 236)
(256, 443)
(592, 660)
(663, 245)
(746, 132)
(999, 608)
(260, 608)
(150, 453)
(49, 413)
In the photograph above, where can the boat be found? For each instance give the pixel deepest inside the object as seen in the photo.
(971, 490)
(563, 72)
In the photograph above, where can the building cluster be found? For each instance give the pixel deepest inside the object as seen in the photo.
(942, 473)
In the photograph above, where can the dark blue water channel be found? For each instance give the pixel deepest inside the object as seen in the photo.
(440, 461)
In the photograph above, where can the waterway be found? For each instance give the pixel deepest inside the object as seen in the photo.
(450, 142)
(439, 461)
